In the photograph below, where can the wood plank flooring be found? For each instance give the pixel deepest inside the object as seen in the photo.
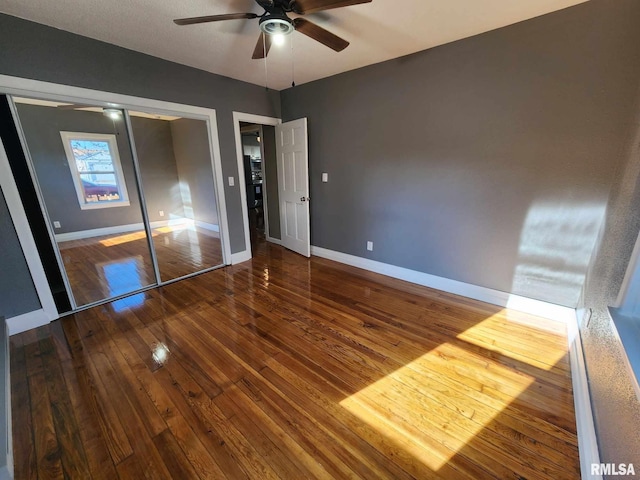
(110, 265)
(289, 368)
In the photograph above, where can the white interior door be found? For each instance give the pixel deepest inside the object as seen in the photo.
(293, 185)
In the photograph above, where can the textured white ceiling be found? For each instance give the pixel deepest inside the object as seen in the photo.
(378, 31)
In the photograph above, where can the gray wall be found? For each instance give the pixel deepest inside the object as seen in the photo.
(613, 396)
(36, 51)
(271, 175)
(17, 292)
(195, 171)
(154, 148)
(42, 127)
(487, 160)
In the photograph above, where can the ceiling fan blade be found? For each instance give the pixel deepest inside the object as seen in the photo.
(310, 6)
(262, 46)
(215, 18)
(319, 34)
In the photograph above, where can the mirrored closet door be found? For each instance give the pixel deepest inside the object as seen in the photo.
(129, 197)
(177, 179)
(82, 164)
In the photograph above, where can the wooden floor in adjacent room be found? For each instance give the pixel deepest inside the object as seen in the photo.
(289, 368)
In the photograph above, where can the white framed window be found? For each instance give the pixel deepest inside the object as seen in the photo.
(96, 169)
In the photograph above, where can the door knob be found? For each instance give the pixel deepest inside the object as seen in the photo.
(304, 199)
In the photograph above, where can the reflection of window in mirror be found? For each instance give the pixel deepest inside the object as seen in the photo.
(96, 170)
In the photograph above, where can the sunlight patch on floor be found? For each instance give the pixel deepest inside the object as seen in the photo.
(127, 237)
(141, 234)
(485, 335)
(416, 408)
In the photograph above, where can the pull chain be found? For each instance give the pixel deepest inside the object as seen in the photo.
(264, 51)
(293, 80)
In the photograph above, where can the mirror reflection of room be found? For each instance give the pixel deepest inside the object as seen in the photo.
(87, 170)
(83, 164)
(253, 173)
(178, 183)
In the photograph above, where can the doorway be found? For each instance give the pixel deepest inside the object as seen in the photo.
(128, 197)
(255, 144)
(258, 156)
(285, 182)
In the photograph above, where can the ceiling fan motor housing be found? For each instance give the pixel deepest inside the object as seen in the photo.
(276, 24)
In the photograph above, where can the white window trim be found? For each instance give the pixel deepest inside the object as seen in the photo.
(75, 174)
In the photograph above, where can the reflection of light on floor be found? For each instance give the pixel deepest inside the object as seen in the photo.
(133, 301)
(188, 229)
(427, 419)
(123, 275)
(194, 242)
(160, 353)
(555, 249)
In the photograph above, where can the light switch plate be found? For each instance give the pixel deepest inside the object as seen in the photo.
(232, 181)
(370, 246)
(325, 177)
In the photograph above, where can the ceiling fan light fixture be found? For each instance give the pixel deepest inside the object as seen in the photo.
(278, 39)
(276, 25)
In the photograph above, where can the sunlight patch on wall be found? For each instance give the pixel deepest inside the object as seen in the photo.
(187, 204)
(555, 249)
(416, 408)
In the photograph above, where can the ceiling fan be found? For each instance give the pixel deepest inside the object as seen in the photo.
(275, 23)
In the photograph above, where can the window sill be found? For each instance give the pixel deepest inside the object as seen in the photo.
(97, 206)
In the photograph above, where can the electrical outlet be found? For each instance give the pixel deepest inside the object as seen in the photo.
(161, 213)
(325, 177)
(232, 181)
(370, 246)
(56, 224)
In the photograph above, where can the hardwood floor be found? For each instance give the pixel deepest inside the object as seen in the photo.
(290, 368)
(107, 266)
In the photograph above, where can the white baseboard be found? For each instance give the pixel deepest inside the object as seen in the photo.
(209, 229)
(207, 226)
(277, 241)
(240, 257)
(133, 227)
(27, 321)
(587, 440)
(98, 232)
(488, 295)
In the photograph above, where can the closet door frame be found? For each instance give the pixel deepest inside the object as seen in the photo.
(16, 86)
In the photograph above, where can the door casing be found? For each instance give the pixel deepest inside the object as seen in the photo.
(260, 120)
